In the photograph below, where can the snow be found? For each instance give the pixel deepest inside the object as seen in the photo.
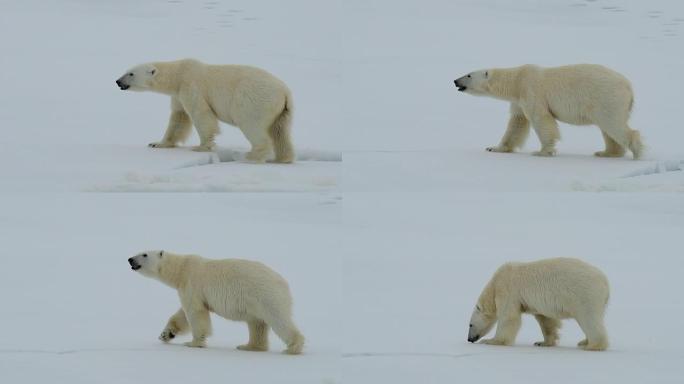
(388, 225)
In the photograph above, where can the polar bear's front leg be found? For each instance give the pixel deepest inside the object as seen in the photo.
(177, 325)
(206, 124)
(258, 337)
(200, 324)
(516, 133)
(549, 329)
(506, 330)
(178, 128)
(546, 128)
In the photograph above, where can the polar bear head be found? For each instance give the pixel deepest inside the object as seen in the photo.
(481, 322)
(138, 78)
(147, 263)
(475, 83)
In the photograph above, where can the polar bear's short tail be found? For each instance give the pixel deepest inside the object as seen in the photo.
(280, 134)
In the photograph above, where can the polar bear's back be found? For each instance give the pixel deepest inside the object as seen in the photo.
(584, 93)
(242, 94)
(586, 73)
(240, 289)
(559, 287)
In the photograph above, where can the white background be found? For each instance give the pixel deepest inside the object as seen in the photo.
(387, 250)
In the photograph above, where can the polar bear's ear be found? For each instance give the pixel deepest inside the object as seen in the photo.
(486, 74)
(152, 71)
(161, 253)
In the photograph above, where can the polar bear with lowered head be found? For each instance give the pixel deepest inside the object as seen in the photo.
(239, 290)
(551, 290)
(582, 94)
(253, 100)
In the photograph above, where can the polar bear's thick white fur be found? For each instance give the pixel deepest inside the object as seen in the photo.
(551, 290)
(239, 290)
(253, 100)
(582, 94)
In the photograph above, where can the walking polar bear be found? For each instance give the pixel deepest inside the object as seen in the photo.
(239, 290)
(551, 290)
(582, 94)
(253, 100)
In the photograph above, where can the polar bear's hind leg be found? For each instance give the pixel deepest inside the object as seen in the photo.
(279, 133)
(613, 149)
(549, 329)
(595, 332)
(288, 333)
(258, 337)
(261, 144)
(624, 136)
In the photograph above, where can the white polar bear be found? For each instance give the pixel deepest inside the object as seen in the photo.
(582, 94)
(249, 98)
(551, 290)
(239, 290)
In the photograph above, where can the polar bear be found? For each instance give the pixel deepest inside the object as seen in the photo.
(239, 290)
(582, 94)
(249, 98)
(551, 290)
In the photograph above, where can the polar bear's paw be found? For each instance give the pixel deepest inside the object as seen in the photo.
(253, 348)
(493, 342)
(195, 344)
(544, 344)
(203, 148)
(608, 154)
(296, 345)
(582, 343)
(161, 144)
(166, 336)
(256, 157)
(545, 153)
(594, 347)
(499, 148)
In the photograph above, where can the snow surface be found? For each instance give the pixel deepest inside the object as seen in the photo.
(387, 227)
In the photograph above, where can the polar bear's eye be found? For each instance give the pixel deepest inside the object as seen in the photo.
(469, 76)
(470, 325)
(144, 254)
(130, 74)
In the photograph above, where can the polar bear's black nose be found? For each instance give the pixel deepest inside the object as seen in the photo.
(118, 82)
(134, 264)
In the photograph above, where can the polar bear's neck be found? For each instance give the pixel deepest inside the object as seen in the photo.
(173, 270)
(504, 83)
(167, 80)
(487, 301)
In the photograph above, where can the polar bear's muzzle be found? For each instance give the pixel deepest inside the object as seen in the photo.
(123, 86)
(459, 85)
(134, 264)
